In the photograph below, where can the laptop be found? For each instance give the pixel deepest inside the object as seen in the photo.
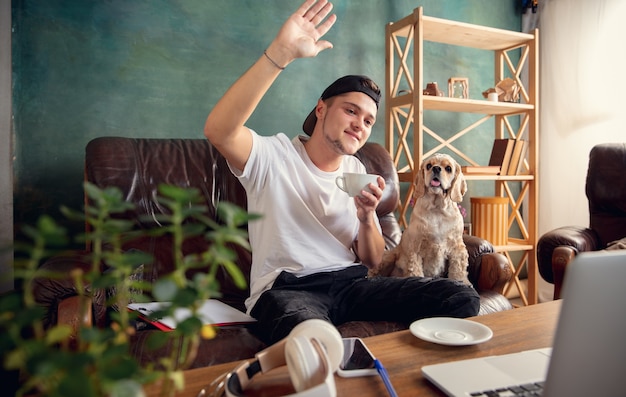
(588, 357)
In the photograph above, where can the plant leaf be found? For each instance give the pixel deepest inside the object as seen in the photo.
(164, 290)
(127, 388)
(58, 333)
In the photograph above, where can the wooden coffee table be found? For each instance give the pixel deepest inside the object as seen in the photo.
(403, 355)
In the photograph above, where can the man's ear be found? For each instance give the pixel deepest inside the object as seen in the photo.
(320, 109)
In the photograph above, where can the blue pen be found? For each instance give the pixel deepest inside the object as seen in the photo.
(385, 377)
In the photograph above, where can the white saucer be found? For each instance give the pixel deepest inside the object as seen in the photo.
(451, 331)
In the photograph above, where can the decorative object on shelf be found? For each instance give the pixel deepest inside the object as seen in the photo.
(508, 90)
(458, 87)
(488, 92)
(432, 89)
(501, 153)
(490, 217)
(499, 160)
(517, 157)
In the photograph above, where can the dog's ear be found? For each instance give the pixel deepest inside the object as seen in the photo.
(419, 189)
(459, 186)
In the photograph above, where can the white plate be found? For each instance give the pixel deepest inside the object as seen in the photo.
(451, 331)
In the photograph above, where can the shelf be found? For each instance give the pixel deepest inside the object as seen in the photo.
(474, 106)
(447, 104)
(467, 35)
(512, 247)
(462, 34)
(487, 177)
(408, 177)
(410, 139)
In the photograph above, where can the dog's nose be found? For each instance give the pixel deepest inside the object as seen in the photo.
(436, 169)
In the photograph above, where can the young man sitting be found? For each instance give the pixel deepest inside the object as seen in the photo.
(304, 263)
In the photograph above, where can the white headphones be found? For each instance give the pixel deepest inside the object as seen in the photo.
(312, 353)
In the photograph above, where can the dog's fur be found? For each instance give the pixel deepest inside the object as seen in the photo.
(432, 245)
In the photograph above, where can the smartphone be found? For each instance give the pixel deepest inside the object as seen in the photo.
(357, 359)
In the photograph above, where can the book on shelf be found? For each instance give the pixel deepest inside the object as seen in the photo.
(517, 157)
(480, 169)
(501, 154)
(212, 311)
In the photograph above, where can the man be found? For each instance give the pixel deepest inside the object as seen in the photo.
(305, 247)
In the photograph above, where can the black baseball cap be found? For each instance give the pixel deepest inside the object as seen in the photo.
(350, 83)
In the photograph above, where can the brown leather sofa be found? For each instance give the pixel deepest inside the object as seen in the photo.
(605, 188)
(137, 166)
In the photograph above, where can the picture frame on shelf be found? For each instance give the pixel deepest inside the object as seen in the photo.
(458, 87)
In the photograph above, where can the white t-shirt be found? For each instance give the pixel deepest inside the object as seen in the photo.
(308, 223)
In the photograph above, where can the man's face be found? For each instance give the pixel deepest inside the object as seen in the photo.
(347, 121)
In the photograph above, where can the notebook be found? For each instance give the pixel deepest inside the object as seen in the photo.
(588, 357)
(212, 312)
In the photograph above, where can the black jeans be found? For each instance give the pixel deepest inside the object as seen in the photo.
(349, 295)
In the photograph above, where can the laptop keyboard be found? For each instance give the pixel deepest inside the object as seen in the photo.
(529, 390)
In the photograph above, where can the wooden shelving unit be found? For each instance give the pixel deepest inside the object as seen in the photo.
(405, 106)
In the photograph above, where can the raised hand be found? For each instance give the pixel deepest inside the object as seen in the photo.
(300, 36)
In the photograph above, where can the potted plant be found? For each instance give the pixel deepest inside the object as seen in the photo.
(89, 361)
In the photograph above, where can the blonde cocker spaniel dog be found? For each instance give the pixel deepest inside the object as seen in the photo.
(432, 245)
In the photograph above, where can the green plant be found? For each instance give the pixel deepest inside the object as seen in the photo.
(96, 362)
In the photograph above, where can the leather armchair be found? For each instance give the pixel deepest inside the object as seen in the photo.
(138, 166)
(605, 189)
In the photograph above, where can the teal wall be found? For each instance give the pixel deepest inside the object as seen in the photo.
(84, 69)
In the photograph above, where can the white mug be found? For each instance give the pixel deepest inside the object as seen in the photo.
(352, 183)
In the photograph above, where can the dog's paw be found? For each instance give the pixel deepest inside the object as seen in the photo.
(462, 279)
(467, 282)
(459, 276)
(407, 269)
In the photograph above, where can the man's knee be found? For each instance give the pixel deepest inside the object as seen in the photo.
(465, 302)
(273, 329)
(278, 312)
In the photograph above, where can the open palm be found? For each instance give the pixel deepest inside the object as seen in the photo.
(300, 35)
